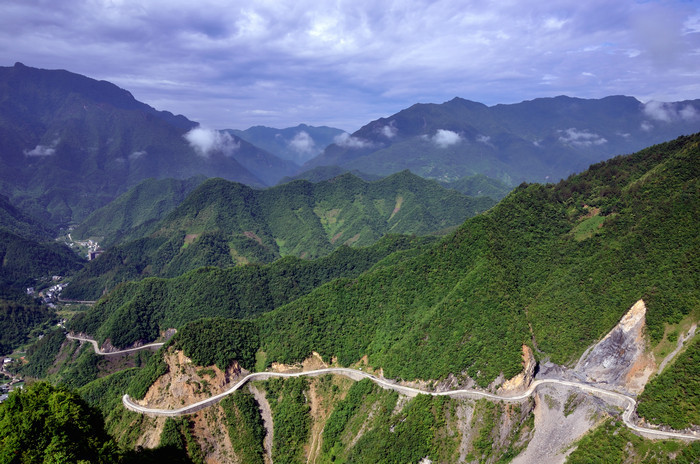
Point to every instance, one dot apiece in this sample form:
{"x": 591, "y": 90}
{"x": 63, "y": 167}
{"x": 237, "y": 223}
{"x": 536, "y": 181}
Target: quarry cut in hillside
{"x": 621, "y": 359}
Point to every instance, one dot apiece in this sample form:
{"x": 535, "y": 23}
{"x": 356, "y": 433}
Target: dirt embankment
{"x": 562, "y": 416}
{"x": 186, "y": 383}
{"x": 522, "y": 381}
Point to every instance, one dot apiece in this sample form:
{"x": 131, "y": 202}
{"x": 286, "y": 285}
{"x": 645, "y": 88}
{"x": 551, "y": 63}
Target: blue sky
{"x": 234, "y": 64}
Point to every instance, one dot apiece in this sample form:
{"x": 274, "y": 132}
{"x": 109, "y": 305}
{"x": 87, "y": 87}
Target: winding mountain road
{"x": 109, "y": 353}
{"x": 390, "y": 385}
{"x": 410, "y": 391}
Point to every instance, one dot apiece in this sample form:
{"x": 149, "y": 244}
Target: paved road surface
{"x": 409, "y": 391}
{"x": 108, "y": 353}
{"x": 390, "y": 385}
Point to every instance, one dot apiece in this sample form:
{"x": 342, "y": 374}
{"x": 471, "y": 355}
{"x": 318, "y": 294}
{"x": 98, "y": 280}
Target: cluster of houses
{"x": 93, "y": 248}
{"x": 50, "y": 295}
{"x": 6, "y": 388}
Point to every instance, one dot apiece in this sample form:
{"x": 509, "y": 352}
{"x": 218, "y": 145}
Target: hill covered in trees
{"x": 70, "y": 144}
{"x": 134, "y": 213}
{"x": 223, "y": 223}
{"x": 140, "y": 310}
{"x": 553, "y": 266}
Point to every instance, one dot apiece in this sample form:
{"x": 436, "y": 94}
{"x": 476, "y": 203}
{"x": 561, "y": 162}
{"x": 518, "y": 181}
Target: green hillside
{"x": 480, "y": 185}
{"x": 140, "y": 310}
{"x": 530, "y": 270}
{"x": 223, "y": 223}
{"x": 18, "y": 320}
{"x": 673, "y": 397}
{"x": 52, "y": 424}
{"x": 24, "y": 261}
{"x": 136, "y": 211}
{"x": 15, "y": 221}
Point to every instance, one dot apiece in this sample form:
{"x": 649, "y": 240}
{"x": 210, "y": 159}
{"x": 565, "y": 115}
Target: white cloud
{"x": 646, "y": 126}
{"x": 303, "y": 143}
{"x": 348, "y": 141}
{"x": 485, "y": 139}
{"x": 40, "y": 150}
{"x": 688, "y": 113}
{"x": 582, "y": 138}
{"x": 390, "y": 130}
{"x": 444, "y": 138}
{"x": 208, "y": 141}
{"x": 668, "y": 112}
{"x": 659, "y": 111}
{"x": 43, "y": 150}
{"x": 137, "y": 154}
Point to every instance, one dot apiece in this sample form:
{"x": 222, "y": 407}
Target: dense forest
{"x": 535, "y": 260}
{"x": 673, "y": 397}
{"x": 223, "y": 224}
{"x": 19, "y": 320}
{"x": 140, "y": 310}
{"x": 551, "y": 266}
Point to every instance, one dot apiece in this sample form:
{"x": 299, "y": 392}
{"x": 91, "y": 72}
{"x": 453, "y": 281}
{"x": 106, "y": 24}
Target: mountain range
{"x": 70, "y": 144}
{"x": 530, "y": 284}
{"x": 298, "y": 144}
{"x": 541, "y": 140}
{"x": 462, "y": 280}
{"x": 554, "y": 267}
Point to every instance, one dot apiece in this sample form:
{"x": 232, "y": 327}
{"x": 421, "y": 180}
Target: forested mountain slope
{"x": 13, "y": 220}
{"x": 138, "y": 311}
{"x": 550, "y": 266}
{"x": 136, "y": 211}
{"x": 70, "y": 144}
{"x": 224, "y": 223}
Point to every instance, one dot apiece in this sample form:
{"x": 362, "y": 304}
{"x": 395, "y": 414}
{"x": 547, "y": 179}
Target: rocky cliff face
{"x": 620, "y": 360}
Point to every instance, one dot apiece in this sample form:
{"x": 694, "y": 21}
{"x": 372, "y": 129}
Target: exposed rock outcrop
{"x": 620, "y": 360}
{"x": 522, "y": 381}
{"x": 186, "y": 383}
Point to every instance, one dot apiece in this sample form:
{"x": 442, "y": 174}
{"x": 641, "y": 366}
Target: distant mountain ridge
{"x": 541, "y": 140}
{"x": 69, "y": 144}
{"x": 298, "y": 144}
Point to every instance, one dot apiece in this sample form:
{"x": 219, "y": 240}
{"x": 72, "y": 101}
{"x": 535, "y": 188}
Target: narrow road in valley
{"x": 109, "y": 353}
{"x": 86, "y": 302}
{"x": 410, "y": 391}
